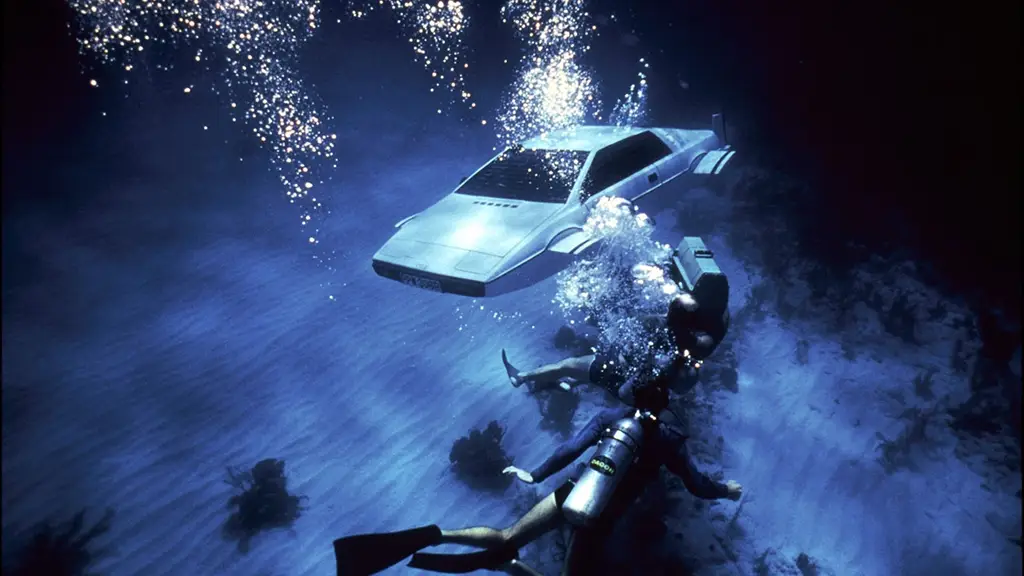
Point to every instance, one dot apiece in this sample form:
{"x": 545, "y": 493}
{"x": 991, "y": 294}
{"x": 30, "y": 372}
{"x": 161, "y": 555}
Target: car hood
{"x": 478, "y": 224}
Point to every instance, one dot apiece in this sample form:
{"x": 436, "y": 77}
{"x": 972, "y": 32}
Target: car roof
{"x": 582, "y": 138}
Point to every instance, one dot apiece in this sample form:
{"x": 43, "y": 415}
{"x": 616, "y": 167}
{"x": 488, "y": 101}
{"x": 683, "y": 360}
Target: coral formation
{"x": 900, "y": 319}
{"x": 803, "y": 352}
{"x": 557, "y": 409}
{"x": 895, "y": 453}
{"x": 479, "y": 458}
{"x": 264, "y": 502}
{"x": 773, "y": 563}
{"x": 923, "y": 385}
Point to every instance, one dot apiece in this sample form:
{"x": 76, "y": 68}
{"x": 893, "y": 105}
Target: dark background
{"x": 904, "y": 117}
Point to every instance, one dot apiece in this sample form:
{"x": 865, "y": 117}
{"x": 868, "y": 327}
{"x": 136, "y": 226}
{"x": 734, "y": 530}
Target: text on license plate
{"x": 423, "y": 283}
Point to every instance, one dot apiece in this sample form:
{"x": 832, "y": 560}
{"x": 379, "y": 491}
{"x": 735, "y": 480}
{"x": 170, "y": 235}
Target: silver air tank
{"x": 615, "y": 453}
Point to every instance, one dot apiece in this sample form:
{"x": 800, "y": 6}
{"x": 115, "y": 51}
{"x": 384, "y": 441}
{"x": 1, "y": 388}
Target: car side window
{"x": 621, "y": 160}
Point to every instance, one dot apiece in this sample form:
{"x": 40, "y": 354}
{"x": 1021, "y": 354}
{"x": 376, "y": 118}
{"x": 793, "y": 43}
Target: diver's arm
{"x": 677, "y": 460}
{"x": 681, "y": 375}
{"x": 708, "y": 336}
{"x": 625, "y": 392}
{"x": 572, "y": 450}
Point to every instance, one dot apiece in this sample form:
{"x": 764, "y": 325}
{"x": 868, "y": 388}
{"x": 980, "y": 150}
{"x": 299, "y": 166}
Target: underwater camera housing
{"x": 693, "y": 266}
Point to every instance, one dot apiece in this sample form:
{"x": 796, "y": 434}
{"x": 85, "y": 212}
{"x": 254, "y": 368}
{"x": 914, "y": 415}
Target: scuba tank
{"x": 615, "y": 453}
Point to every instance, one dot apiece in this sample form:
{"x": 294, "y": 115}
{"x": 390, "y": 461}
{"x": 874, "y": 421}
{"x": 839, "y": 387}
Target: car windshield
{"x": 528, "y": 175}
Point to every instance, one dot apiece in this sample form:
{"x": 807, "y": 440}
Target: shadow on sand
{"x": 59, "y": 549}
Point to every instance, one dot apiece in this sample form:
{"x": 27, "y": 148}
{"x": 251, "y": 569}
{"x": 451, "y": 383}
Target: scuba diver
{"x": 632, "y": 443}
{"x": 697, "y": 320}
{"x": 688, "y": 326}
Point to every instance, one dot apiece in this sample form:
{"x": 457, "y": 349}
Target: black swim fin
{"x": 492, "y": 559}
{"x": 512, "y": 371}
{"x": 367, "y": 554}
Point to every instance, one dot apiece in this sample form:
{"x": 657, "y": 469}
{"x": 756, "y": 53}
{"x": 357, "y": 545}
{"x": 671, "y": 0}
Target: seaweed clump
{"x": 895, "y": 453}
{"x": 773, "y": 563}
{"x": 264, "y": 502}
{"x": 923, "y": 385}
{"x": 899, "y": 318}
{"x": 557, "y": 409}
{"x": 60, "y": 550}
{"x": 479, "y": 459}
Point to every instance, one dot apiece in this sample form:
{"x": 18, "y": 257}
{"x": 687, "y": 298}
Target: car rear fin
{"x": 718, "y": 127}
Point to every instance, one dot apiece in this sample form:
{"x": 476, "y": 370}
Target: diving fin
{"x": 493, "y": 559}
{"x": 366, "y": 554}
{"x": 512, "y": 371}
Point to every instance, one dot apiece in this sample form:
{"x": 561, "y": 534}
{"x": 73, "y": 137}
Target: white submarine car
{"x": 513, "y": 223}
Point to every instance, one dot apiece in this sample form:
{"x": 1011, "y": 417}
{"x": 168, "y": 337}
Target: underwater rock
{"x": 809, "y": 566}
{"x": 479, "y": 458}
{"x": 773, "y": 563}
{"x": 994, "y": 404}
{"x": 1000, "y": 336}
{"x": 923, "y": 383}
{"x": 896, "y": 453}
{"x": 900, "y": 319}
{"x": 803, "y": 352}
{"x": 264, "y": 502}
{"x": 59, "y": 550}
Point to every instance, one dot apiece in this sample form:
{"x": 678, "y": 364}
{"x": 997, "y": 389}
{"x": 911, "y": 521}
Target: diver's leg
{"x": 371, "y": 553}
{"x": 548, "y": 375}
{"x": 544, "y": 516}
{"x": 500, "y": 546}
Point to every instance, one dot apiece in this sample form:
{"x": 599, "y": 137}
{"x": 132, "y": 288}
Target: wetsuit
{"x": 663, "y": 445}
{"x": 704, "y": 331}
{"x": 714, "y": 325}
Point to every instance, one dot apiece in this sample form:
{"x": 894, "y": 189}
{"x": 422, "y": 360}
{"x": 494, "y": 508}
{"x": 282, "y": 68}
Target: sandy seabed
{"x": 152, "y": 347}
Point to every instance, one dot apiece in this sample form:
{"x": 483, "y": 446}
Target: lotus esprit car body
{"x": 513, "y": 222}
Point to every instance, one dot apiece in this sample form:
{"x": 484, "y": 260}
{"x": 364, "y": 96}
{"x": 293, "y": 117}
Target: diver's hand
{"x": 735, "y": 490}
{"x": 523, "y": 475}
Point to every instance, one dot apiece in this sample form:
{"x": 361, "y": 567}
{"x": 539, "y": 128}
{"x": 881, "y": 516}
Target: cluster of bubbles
{"x": 631, "y": 109}
{"x": 622, "y": 286}
{"x": 467, "y": 315}
{"x": 436, "y": 32}
{"x": 552, "y": 90}
{"x": 253, "y": 44}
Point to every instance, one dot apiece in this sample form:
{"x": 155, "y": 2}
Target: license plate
{"x": 422, "y": 283}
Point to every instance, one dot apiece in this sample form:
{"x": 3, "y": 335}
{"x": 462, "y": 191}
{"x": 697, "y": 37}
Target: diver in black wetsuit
{"x": 633, "y": 442}
{"x": 692, "y": 328}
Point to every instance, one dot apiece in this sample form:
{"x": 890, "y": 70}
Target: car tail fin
{"x": 718, "y": 126}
